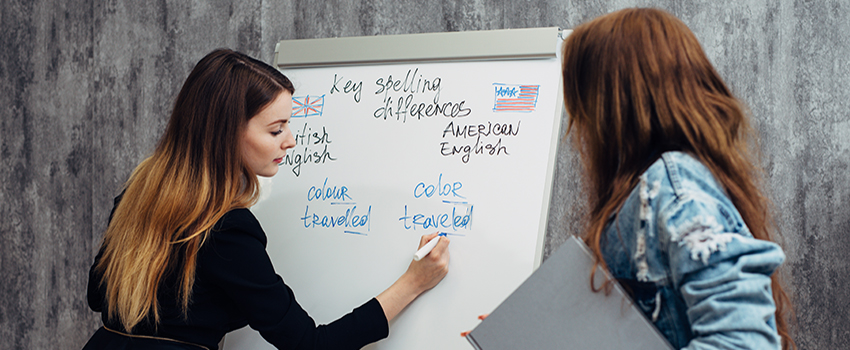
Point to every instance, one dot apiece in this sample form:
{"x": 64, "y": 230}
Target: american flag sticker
{"x": 515, "y": 97}
{"x": 307, "y": 106}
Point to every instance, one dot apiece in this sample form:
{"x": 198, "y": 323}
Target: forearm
{"x": 398, "y": 296}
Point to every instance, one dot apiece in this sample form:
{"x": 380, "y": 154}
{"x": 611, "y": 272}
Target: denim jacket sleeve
{"x": 721, "y": 272}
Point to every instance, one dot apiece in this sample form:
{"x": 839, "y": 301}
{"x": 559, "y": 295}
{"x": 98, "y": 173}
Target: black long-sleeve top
{"x": 236, "y": 285}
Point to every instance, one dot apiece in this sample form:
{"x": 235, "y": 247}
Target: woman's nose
{"x": 289, "y": 142}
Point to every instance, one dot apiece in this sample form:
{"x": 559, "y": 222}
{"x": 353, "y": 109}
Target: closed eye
{"x": 283, "y": 123}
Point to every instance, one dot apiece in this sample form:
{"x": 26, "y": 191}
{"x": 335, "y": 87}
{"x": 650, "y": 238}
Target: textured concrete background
{"x": 86, "y": 86}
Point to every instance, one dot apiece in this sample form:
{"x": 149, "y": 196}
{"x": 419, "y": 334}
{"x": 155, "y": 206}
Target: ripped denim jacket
{"x": 682, "y": 250}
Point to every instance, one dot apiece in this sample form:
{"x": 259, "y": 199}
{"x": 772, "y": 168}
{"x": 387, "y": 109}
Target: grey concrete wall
{"x": 86, "y": 85}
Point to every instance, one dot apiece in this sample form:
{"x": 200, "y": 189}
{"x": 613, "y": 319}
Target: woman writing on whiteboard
{"x": 676, "y": 210}
{"x": 183, "y": 260}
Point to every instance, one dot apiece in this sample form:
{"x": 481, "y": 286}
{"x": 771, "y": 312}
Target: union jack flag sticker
{"x": 307, "y": 106}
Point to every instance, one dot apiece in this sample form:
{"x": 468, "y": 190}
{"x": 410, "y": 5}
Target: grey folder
{"x": 556, "y": 309}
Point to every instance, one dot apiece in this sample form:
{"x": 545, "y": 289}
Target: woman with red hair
{"x": 677, "y": 213}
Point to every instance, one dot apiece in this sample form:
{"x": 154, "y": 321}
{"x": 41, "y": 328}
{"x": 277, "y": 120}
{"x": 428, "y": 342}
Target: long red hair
{"x": 637, "y": 83}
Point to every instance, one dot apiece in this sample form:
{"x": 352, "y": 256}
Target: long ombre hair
{"x": 195, "y": 176}
{"x": 637, "y": 83}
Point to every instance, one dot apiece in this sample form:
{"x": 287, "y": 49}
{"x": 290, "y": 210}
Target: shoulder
{"x": 684, "y": 174}
{"x": 678, "y": 184}
{"x": 676, "y": 180}
{"x": 697, "y": 223}
{"x": 695, "y": 197}
{"x": 237, "y": 217}
{"x": 234, "y": 253}
{"x": 238, "y": 223}
{"x": 679, "y": 201}
{"x": 676, "y": 197}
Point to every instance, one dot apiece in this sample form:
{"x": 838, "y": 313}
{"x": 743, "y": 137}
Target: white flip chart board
{"x": 401, "y": 136}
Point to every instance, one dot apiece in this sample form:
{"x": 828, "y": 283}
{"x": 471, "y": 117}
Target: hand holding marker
{"x": 422, "y": 252}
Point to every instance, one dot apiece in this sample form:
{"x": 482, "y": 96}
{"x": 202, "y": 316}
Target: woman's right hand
{"x": 431, "y": 269}
{"x": 420, "y": 276}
